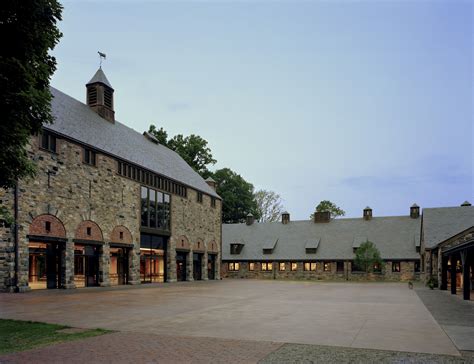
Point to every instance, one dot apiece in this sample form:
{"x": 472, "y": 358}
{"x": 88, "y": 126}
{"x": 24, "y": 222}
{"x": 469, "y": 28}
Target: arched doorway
{"x": 120, "y": 247}
{"x": 46, "y": 246}
{"x": 182, "y": 251}
{"x": 88, "y": 247}
{"x": 212, "y": 252}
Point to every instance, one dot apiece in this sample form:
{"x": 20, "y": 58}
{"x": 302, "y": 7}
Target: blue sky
{"x": 362, "y": 103}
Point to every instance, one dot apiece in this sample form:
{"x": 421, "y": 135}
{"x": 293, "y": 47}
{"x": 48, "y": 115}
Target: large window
{"x": 155, "y": 209}
{"x": 267, "y": 266}
{"x": 48, "y": 142}
{"x": 310, "y": 266}
{"x": 234, "y": 267}
{"x": 153, "y": 258}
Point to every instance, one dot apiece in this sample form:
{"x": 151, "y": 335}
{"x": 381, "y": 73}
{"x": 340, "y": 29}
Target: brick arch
{"x": 47, "y": 225}
{"x": 212, "y": 247}
{"x": 183, "y": 243}
{"x": 82, "y": 231}
{"x": 120, "y": 234}
{"x": 199, "y": 245}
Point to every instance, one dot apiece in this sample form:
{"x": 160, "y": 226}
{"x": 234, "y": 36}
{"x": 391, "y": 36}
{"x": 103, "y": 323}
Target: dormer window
{"x": 236, "y": 248}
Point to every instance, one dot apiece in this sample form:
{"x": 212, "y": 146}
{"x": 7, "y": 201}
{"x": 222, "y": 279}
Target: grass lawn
{"x": 23, "y": 335}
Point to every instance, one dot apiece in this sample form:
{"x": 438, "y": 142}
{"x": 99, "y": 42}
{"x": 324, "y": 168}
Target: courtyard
{"x": 381, "y": 316}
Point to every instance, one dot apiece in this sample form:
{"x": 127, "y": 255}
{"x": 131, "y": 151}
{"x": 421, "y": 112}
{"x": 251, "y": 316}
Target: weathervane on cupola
{"x": 102, "y": 56}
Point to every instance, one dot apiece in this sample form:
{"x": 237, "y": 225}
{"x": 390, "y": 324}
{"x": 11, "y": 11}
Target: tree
{"x": 367, "y": 255}
{"x": 269, "y": 205}
{"x": 237, "y": 196}
{"x": 29, "y": 32}
{"x": 326, "y": 205}
{"x": 193, "y": 149}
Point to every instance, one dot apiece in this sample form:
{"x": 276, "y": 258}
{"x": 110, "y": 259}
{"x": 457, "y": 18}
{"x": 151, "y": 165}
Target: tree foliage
{"x": 269, "y": 206}
{"x": 193, "y": 149}
{"x": 326, "y": 205}
{"x": 367, "y": 255}
{"x": 237, "y": 195}
{"x": 29, "y": 32}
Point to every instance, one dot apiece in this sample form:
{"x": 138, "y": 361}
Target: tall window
{"x": 310, "y": 266}
{"x": 234, "y": 266}
{"x": 251, "y": 266}
{"x": 294, "y": 266}
{"x": 267, "y": 266}
{"x": 155, "y": 208}
{"x": 417, "y": 266}
{"x": 89, "y": 157}
{"x": 340, "y": 266}
{"x": 199, "y": 197}
{"x": 48, "y": 142}
{"x": 396, "y": 267}
{"x": 213, "y": 202}
{"x": 281, "y": 266}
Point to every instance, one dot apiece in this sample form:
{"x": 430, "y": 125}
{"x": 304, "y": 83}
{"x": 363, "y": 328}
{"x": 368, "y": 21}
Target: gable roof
{"x": 393, "y": 236}
{"x": 442, "y": 223}
{"x": 77, "y": 121}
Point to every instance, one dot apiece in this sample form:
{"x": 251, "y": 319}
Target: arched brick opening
{"x": 89, "y": 230}
{"x": 120, "y": 234}
{"x": 199, "y": 246}
{"x": 47, "y": 225}
{"x": 183, "y": 243}
{"x": 212, "y": 247}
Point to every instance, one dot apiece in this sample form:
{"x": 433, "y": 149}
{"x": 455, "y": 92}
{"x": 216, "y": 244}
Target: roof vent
{"x": 249, "y": 220}
{"x": 150, "y": 137}
{"x": 100, "y": 96}
{"x": 285, "y": 217}
{"x": 367, "y": 213}
{"x": 466, "y": 203}
{"x": 415, "y": 211}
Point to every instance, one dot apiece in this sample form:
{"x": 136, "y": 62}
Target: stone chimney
{"x": 466, "y": 203}
{"x": 367, "y": 213}
{"x": 285, "y": 217}
{"x": 415, "y": 211}
{"x": 100, "y": 96}
{"x": 249, "y": 219}
{"x": 322, "y": 216}
{"x": 211, "y": 183}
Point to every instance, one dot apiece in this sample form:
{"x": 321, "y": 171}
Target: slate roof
{"x": 393, "y": 236}
{"x": 442, "y": 223}
{"x": 100, "y": 77}
{"x": 76, "y": 120}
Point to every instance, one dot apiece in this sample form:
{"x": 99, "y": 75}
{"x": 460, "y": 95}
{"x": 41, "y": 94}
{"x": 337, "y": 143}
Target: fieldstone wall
{"x": 407, "y": 272}
{"x": 82, "y": 196}
{"x": 197, "y": 223}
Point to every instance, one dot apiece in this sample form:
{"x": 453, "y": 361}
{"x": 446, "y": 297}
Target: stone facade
{"x": 71, "y": 202}
{"x": 407, "y": 271}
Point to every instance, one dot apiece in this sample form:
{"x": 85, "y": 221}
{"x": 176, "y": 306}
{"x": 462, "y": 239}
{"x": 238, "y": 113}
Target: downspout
{"x": 15, "y": 237}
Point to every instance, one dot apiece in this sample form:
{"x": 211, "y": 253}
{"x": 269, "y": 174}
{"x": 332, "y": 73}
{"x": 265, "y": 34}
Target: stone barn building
{"x": 108, "y": 206}
{"x": 323, "y": 248}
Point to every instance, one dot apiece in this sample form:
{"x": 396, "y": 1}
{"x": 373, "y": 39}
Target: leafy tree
{"x": 29, "y": 32}
{"x": 269, "y": 205}
{"x": 193, "y": 149}
{"x": 367, "y": 255}
{"x": 237, "y": 195}
{"x": 327, "y": 205}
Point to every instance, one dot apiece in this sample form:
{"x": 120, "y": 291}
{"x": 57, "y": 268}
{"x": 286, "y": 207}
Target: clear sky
{"x": 362, "y": 103}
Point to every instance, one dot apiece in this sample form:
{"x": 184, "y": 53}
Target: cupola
{"x": 367, "y": 213}
{"x": 415, "y": 211}
{"x": 100, "y": 96}
{"x": 211, "y": 183}
{"x": 285, "y": 217}
{"x": 249, "y": 219}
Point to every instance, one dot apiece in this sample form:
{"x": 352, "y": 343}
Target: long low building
{"x": 437, "y": 248}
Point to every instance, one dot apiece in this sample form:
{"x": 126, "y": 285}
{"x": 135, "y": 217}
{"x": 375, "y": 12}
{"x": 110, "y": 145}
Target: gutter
{"x": 15, "y": 233}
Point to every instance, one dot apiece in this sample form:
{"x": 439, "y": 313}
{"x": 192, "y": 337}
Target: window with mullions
{"x": 327, "y": 267}
{"x": 48, "y": 142}
{"x": 281, "y": 266}
{"x": 267, "y": 266}
{"x": 294, "y": 266}
{"x": 396, "y": 267}
{"x": 234, "y": 267}
{"x": 155, "y": 209}
{"x": 309, "y": 266}
{"x": 251, "y": 266}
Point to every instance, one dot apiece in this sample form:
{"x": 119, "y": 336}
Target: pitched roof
{"x": 393, "y": 236}
{"x": 442, "y": 223}
{"x": 100, "y": 77}
{"x": 76, "y": 120}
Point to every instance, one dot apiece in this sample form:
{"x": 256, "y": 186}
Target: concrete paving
{"x": 455, "y": 315}
{"x": 385, "y": 316}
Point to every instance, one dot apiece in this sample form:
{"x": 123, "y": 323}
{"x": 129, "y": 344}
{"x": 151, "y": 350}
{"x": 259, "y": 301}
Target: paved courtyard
{"x": 356, "y": 315}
